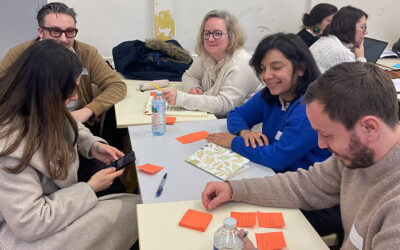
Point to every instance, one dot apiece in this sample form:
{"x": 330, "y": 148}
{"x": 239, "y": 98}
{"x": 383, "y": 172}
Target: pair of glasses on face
{"x": 56, "y": 32}
{"x": 217, "y": 34}
{"x": 362, "y": 26}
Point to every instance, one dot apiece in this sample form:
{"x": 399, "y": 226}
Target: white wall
{"x": 383, "y": 17}
{"x": 17, "y": 22}
{"x": 257, "y": 18}
{"x": 104, "y": 24}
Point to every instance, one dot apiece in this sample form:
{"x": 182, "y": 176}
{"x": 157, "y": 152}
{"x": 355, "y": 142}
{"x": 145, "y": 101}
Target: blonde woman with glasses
{"x": 221, "y": 77}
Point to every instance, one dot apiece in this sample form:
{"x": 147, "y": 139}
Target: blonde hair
{"x": 233, "y": 28}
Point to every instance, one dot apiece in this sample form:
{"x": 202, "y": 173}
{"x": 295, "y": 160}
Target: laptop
{"x": 373, "y": 49}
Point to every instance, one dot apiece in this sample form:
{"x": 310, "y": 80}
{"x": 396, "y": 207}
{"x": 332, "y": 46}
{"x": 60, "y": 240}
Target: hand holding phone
{"x": 123, "y": 161}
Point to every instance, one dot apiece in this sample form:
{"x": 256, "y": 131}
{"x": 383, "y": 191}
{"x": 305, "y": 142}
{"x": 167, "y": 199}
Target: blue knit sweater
{"x": 293, "y": 143}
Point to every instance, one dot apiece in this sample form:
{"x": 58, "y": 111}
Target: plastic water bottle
{"x": 227, "y": 236}
{"x": 158, "y": 114}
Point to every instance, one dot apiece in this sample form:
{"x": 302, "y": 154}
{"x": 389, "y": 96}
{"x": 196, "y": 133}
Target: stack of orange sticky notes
{"x": 274, "y": 220}
{"x": 269, "y": 241}
{"x": 150, "y": 168}
{"x": 195, "y": 220}
{"x": 193, "y": 137}
{"x": 245, "y": 219}
{"x": 170, "y": 120}
{"x": 248, "y": 219}
{"x": 265, "y": 241}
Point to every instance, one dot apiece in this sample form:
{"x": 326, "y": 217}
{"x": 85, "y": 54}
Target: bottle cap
{"x": 230, "y": 222}
{"x": 158, "y": 92}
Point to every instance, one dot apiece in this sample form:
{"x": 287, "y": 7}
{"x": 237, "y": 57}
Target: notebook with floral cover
{"x": 218, "y": 161}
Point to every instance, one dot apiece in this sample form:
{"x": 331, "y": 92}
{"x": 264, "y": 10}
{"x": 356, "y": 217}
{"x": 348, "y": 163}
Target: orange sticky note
{"x": 245, "y": 219}
{"x": 270, "y": 219}
{"x": 193, "y": 137}
{"x": 269, "y": 241}
{"x": 153, "y": 93}
{"x": 169, "y": 120}
{"x": 195, "y": 220}
{"x": 150, "y": 168}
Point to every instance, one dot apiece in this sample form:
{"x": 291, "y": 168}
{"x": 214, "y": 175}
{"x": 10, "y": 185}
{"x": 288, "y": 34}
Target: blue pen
{"x": 160, "y": 188}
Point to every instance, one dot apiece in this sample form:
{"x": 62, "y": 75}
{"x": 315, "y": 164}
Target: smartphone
{"x": 123, "y": 161}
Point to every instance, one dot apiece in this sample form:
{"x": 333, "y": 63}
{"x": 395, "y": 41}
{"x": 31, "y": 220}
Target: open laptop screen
{"x": 373, "y": 49}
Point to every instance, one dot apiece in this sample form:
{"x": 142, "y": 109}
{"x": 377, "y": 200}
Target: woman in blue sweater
{"x": 287, "y": 141}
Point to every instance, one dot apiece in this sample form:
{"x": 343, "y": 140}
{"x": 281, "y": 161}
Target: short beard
{"x": 361, "y": 155}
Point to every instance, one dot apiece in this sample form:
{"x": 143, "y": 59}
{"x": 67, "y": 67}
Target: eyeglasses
{"x": 362, "y": 26}
{"x": 56, "y": 32}
{"x": 217, "y": 34}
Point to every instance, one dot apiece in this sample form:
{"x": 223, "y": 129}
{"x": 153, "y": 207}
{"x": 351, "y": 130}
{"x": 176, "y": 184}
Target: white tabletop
{"x": 130, "y": 110}
{"x": 159, "y": 229}
{"x": 184, "y": 181}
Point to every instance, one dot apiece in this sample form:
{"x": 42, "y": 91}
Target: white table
{"x": 158, "y": 226}
{"x": 184, "y": 181}
{"x": 130, "y": 110}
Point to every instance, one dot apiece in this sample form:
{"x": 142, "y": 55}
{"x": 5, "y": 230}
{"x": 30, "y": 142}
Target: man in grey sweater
{"x": 354, "y": 108}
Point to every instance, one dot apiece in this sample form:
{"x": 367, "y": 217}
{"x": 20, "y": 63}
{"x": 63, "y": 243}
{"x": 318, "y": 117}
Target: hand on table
{"x": 222, "y": 139}
{"x": 82, "y": 115}
{"x": 195, "y": 91}
{"x": 216, "y": 193}
{"x": 254, "y": 138}
{"x": 169, "y": 95}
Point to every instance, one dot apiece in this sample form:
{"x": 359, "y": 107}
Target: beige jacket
{"x": 234, "y": 84}
{"x": 37, "y": 212}
{"x": 369, "y": 198}
{"x": 112, "y": 88}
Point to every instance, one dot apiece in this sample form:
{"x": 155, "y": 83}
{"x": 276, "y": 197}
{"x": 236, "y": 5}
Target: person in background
{"x": 287, "y": 141}
{"x": 58, "y": 22}
{"x": 315, "y": 22}
{"x": 221, "y": 78}
{"x": 363, "y": 173}
{"x": 42, "y": 205}
{"x": 342, "y": 39}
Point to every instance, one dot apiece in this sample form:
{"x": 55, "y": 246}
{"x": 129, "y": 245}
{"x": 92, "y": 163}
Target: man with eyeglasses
{"x": 58, "y": 22}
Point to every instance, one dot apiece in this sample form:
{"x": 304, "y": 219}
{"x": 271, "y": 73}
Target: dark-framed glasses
{"x": 217, "y": 34}
{"x": 57, "y": 32}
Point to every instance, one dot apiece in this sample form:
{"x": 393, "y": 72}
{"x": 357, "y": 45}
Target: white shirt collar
{"x": 283, "y": 107}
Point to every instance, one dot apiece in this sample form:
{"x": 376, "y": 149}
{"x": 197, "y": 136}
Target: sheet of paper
{"x": 171, "y": 110}
{"x": 274, "y": 220}
{"x": 269, "y": 241}
{"x": 150, "y": 168}
{"x": 192, "y": 137}
{"x": 248, "y": 219}
{"x": 388, "y": 54}
{"x": 195, "y": 220}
